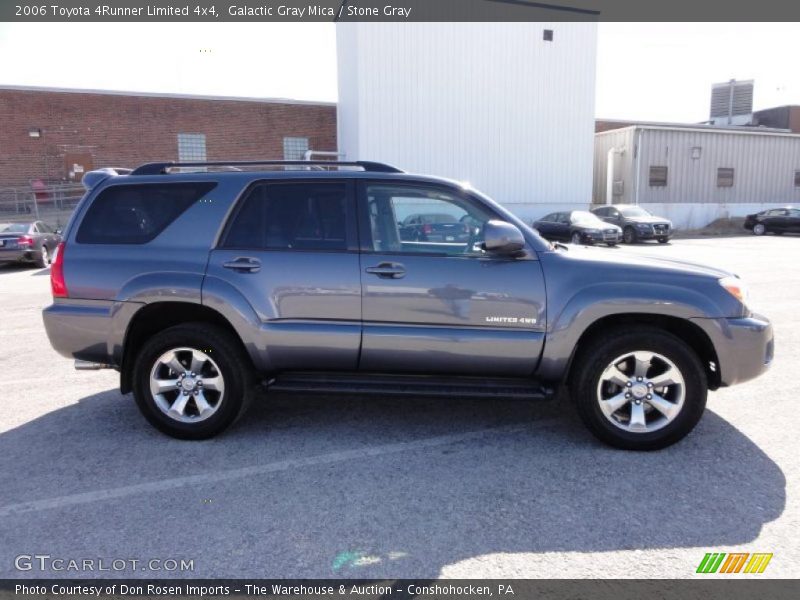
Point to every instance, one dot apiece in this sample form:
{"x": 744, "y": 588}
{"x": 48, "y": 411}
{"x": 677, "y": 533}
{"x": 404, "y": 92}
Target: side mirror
{"x": 500, "y": 237}
{"x": 58, "y": 231}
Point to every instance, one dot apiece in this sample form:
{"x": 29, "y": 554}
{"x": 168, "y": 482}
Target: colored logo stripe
{"x": 713, "y": 562}
{"x": 734, "y": 563}
{"x": 710, "y": 562}
{"x": 758, "y": 562}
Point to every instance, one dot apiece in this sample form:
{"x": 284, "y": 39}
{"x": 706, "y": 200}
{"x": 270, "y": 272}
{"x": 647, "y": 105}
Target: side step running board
{"x": 410, "y": 385}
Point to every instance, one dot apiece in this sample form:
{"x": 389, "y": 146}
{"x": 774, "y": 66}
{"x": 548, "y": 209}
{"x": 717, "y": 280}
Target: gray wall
{"x": 764, "y": 166}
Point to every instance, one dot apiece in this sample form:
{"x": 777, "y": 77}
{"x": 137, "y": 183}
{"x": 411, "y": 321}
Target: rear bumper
{"x": 745, "y": 347}
{"x": 80, "y": 331}
{"x": 15, "y": 255}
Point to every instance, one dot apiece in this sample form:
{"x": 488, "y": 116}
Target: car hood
{"x": 602, "y": 225}
{"x": 648, "y": 220}
{"x": 639, "y": 262}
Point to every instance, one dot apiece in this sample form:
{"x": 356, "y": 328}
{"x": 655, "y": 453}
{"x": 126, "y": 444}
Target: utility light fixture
{"x": 34, "y": 132}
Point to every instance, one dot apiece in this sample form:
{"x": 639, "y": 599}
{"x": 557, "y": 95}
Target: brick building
{"x": 783, "y": 117}
{"x": 55, "y": 135}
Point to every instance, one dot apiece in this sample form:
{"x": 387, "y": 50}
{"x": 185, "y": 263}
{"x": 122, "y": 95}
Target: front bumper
{"x": 602, "y": 238}
{"x": 651, "y": 234}
{"x": 745, "y": 347}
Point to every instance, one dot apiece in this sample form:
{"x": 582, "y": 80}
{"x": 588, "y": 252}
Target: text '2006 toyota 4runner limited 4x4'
{"x": 201, "y": 282}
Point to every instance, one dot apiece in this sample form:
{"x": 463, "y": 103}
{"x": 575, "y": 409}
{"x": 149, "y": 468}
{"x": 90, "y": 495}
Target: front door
{"x": 433, "y": 300}
{"x": 291, "y": 252}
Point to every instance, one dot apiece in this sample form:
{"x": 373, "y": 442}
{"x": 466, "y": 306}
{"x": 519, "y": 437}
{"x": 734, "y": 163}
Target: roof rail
{"x": 161, "y": 168}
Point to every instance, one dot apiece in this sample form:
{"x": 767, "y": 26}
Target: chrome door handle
{"x": 244, "y": 264}
{"x": 388, "y": 270}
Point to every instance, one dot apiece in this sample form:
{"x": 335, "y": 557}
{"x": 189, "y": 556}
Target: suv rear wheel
{"x": 643, "y": 389}
{"x": 192, "y": 381}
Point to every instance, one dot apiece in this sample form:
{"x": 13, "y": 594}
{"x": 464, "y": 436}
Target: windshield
{"x": 634, "y": 211}
{"x": 14, "y": 227}
{"x": 580, "y": 217}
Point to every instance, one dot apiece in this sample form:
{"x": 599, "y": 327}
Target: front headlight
{"x": 643, "y": 226}
{"x": 736, "y": 288}
{"x": 592, "y": 231}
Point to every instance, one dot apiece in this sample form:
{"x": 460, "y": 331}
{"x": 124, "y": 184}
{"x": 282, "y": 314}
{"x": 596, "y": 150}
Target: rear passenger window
{"x": 308, "y": 216}
{"x": 136, "y": 214}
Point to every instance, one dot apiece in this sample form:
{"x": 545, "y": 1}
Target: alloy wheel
{"x": 187, "y": 385}
{"x": 641, "y": 391}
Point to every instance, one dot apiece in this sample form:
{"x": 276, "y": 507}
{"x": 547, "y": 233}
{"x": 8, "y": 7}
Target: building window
{"x": 191, "y": 147}
{"x": 724, "y": 177}
{"x": 658, "y": 176}
{"x": 797, "y": 179}
{"x": 294, "y": 148}
{"x": 548, "y": 35}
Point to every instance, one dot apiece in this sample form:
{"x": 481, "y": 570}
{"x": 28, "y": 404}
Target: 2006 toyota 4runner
{"x": 200, "y": 281}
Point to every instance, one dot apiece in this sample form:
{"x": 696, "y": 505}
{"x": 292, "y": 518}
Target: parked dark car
{"x": 433, "y": 227}
{"x": 205, "y": 288}
{"x": 637, "y": 224}
{"x": 578, "y": 227}
{"x": 774, "y": 220}
{"x": 28, "y": 243}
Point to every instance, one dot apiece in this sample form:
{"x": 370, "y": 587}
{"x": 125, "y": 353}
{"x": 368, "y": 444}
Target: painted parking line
{"x": 274, "y": 467}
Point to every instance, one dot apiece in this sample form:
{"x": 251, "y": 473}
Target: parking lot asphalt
{"x": 353, "y": 487}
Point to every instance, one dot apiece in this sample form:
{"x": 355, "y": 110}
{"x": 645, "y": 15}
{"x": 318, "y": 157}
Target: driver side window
{"x": 420, "y": 220}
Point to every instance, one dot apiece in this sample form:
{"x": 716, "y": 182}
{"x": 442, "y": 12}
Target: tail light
{"x": 57, "y": 282}
{"x": 426, "y": 228}
{"x": 25, "y": 240}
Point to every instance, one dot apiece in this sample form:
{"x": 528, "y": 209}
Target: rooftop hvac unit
{"x": 730, "y": 100}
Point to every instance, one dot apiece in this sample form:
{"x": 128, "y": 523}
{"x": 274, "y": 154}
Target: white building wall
{"x": 622, "y": 141}
{"x": 488, "y": 103}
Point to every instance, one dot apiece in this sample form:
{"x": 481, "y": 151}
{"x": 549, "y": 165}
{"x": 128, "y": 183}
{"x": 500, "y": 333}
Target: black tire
{"x": 43, "y": 258}
{"x": 599, "y": 353}
{"x": 759, "y": 229}
{"x": 228, "y": 355}
{"x": 575, "y": 238}
{"x": 611, "y": 244}
{"x": 662, "y": 241}
{"x": 629, "y": 235}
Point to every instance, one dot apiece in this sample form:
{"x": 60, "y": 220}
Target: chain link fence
{"x": 52, "y": 204}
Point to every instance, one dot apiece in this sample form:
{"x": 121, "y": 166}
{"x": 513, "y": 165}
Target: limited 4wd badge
{"x": 512, "y": 320}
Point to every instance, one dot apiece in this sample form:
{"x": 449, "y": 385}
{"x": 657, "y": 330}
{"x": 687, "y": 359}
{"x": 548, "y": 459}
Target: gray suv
{"x": 202, "y": 282}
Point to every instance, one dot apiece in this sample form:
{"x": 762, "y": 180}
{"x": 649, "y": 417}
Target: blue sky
{"x": 658, "y": 71}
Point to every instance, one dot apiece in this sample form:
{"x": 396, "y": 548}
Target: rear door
{"x": 443, "y": 306}
{"x": 290, "y": 250}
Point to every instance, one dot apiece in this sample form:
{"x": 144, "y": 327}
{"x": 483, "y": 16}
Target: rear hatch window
{"x": 136, "y": 214}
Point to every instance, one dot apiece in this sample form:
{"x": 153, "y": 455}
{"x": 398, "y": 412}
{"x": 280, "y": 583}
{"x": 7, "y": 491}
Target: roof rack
{"x": 161, "y": 168}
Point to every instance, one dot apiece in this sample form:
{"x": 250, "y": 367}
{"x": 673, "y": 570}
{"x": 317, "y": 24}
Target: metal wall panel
{"x": 763, "y": 163}
{"x": 489, "y": 103}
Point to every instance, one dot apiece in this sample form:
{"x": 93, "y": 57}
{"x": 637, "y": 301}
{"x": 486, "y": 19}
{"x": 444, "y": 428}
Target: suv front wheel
{"x": 643, "y": 389}
{"x": 192, "y": 381}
